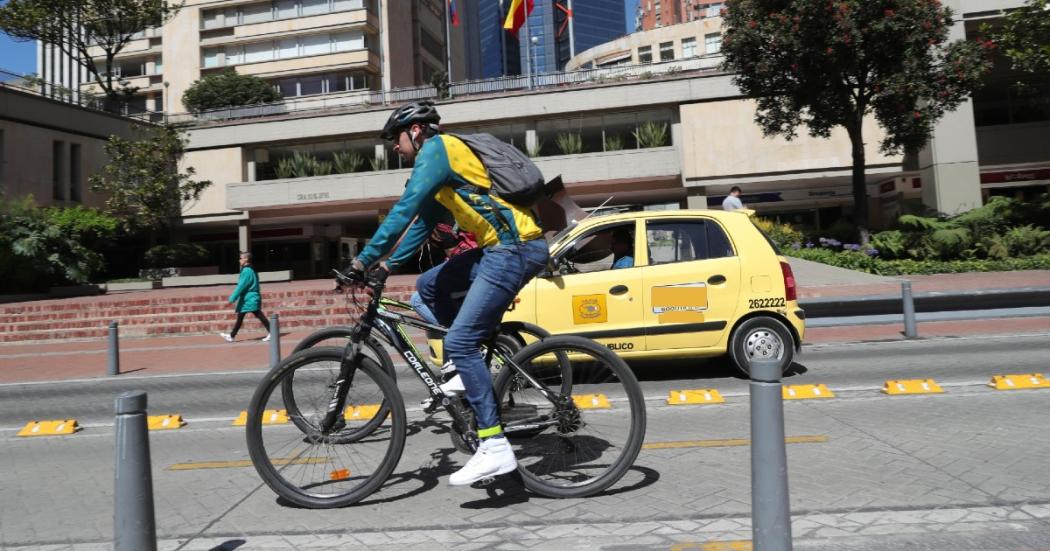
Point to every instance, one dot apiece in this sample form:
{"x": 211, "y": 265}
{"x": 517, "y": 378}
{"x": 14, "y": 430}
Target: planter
{"x": 162, "y": 273}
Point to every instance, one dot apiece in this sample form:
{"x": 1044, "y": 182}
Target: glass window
{"x": 353, "y": 40}
{"x": 288, "y": 87}
{"x": 256, "y": 13}
{"x": 287, "y": 47}
{"x": 359, "y": 81}
{"x": 714, "y": 10}
{"x": 234, "y": 55}
{"x": 314, "y": 7}
{"x": 286, "y": 9}
{"x": 311, "y": 85}
{"x": 688, "y": 48}
{"x": 232, "y": 17}
{"x": 260, "y": 51}
{"x": 211, "y": 19}
{"x": 645, "y": 54}
{"x": 341, "y": 5}
{"x": 75, "y": 173}
{"x": 316, "y": 45}
{"x": 666, "y": 51}
{"x": 158, "y": 66}
{"x": 712, "y": 43}
{"x": 673, "y": 241}
{"x": 605, "y": 248}
{"x": 338, "y": 83}
{"x": 211, "y": 58}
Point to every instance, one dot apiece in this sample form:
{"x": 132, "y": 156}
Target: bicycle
{"x": 571, "y": 408}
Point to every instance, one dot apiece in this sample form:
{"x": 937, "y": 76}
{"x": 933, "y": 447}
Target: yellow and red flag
{"x": 519, "y": 10}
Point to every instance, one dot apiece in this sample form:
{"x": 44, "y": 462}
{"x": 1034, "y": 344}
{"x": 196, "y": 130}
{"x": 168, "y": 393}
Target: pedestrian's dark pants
{"x": 240, "y": 319}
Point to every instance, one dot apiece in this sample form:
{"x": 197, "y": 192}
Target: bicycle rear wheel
{"x": 583, "y": 438}
{"x": 316, "y": 470}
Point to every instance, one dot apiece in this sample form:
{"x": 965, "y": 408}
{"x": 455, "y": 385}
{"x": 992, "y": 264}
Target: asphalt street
{"x": 964, "y": 470}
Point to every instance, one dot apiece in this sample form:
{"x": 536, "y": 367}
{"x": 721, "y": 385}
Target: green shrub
{"x": 890, "y": 244}
{"x": 783, "y": 235}
{"x": 228, "y": 89}
{"x": 569, "y": 144}
{"x": 348, "y": 161}
{"x": 177, "y": 255}
{"x": 613, "y": 143}
{"x": 1026, "y": 240}
{"x": 322, "y": 168}
{"x": 861, "y": 262}
{"x": 378, "y": 163}
{"x": 652, "y": 134}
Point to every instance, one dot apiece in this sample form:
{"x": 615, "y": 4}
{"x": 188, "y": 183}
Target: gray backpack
{"x": 515, "y": 178}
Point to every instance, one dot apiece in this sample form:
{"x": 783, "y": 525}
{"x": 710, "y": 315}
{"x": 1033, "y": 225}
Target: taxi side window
{"x": 673, "y": 241}
{"x": 606, "y": 248}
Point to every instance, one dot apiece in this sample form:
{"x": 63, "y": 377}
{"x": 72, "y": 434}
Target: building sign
{"x": 311, "y": 197}
{"x": 1015, "y": 176}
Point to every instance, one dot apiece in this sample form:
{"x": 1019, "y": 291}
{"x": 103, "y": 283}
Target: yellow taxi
{"x": 669, "y": 284}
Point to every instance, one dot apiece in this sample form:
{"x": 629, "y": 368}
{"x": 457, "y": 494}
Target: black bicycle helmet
{"x": 417, "y": 112}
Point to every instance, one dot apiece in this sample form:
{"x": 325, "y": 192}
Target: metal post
{"x": 910, "y": 330}
{"x": 113, "y": 353}
{"x": 528, "y": 45}
{"x": 134, "y": 527}
{"x": 275, "y": 339}
{"x": 770, "y": 508}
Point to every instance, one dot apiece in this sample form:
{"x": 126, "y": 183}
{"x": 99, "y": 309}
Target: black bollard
{"x": 134, "y": 527}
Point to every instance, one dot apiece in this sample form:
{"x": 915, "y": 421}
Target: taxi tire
{"x": 737, "y": 343}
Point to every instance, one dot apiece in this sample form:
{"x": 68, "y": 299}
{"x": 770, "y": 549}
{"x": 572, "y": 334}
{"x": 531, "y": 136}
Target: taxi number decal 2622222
{"x": 765, "y": 303}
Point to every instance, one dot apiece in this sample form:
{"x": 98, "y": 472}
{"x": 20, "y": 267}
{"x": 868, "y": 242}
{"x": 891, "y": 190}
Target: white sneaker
{"x": 454, "y": 386}
{"x": 494, "y": 457}
{"x": 266, "y": 338}
{"x": 226, "y": 336}
{"x": 449, "y": 367}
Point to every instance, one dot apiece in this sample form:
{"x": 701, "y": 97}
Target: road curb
{"x": 926, "y": 302}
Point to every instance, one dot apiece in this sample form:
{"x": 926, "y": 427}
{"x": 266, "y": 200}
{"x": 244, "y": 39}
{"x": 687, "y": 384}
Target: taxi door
{"x": 597, "y": 301}
{"x": 692, "y": 283}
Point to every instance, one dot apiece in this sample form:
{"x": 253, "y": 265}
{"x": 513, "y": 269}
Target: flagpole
{"x": 448, "y": 46}
{"x": 572, "y": 32}
{"x": 528, "y": 43}
{"x": 502, "y": 43}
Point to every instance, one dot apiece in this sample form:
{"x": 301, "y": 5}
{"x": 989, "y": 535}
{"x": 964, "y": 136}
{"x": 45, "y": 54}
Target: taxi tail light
{"x": 790, "y": 289}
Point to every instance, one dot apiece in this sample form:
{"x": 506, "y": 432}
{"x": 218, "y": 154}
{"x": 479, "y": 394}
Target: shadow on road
{"x": 696, "y": 369}
{"x": 509, "y": 490}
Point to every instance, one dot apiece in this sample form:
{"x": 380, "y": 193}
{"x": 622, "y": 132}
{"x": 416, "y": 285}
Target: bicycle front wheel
{"x": 307, "y": 466}
{"x": 574, "y": 413}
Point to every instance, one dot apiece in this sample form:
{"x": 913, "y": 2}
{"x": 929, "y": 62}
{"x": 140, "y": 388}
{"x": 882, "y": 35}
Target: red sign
{"x": 1015, "y": 176}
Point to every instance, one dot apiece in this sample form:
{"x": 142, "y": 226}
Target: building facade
{"x": 553, "y": 37}
{"x": 653, "y": 14}
{"x": 684, "y": 41}
{"x": 304, "y": 48}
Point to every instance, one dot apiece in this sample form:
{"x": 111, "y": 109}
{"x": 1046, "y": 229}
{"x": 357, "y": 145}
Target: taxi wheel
{"x": 761, "y": 337}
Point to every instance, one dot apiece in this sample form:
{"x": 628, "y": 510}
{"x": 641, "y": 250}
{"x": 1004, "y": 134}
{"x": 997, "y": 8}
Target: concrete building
{"x": 666, "y": 134}
{"x": 49, "y": 148}
{"x": 653, "y": 14}
{"x": 553, "y": 37}
{"x": 306, "y": 48}
{"x": 698, "y": 38}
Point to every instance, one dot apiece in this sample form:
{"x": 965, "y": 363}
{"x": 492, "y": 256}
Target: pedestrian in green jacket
{"x": 248, "y": 299}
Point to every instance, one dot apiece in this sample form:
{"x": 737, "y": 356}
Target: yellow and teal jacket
{"x": 442, "y": 189}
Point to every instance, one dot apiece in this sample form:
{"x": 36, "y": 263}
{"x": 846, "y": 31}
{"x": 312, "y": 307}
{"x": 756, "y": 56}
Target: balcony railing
{"x": 75, "y": 97}
{"x": 363, "y": 100}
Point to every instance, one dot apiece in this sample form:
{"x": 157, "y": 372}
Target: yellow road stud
{"x": 807, "y": 392}
{"x": 361, "y": 413}
{"x": 270, "y": 417}
{"x": 695, "y": 396}
{"x": 165, "y": 422}
{"x": 591, "y": 401}
{"x": 912, "y": 386}
{"x": 1017, "y": 382}
{"x": 49, "y": 428}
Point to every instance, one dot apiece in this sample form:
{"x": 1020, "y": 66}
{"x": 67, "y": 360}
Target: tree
{"x": 228, "y": 89}
{"x": 829, "y": 63}
{"x": 41, "y": 247}
{"x": 142, "y": 180}
{"x": 1025, "y": 37}
{"x": 76, "y": 26}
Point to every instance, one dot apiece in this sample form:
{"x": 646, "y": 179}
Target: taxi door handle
{"x": 717, "y": 279}
{"x": 618, "y": 290}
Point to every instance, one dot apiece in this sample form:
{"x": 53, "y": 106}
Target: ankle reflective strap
{"x": 491, "y": 431}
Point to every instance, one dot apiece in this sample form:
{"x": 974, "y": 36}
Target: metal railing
{"x": 360, "y": 100}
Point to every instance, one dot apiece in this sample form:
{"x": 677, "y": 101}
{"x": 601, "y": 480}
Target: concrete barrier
{"x": 223, "y": 279}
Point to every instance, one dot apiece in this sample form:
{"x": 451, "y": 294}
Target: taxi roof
{"x": 635, "y": 215}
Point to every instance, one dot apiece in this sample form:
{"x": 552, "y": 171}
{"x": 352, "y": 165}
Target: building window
{"x": 57, "y": 176}
{"x": 311, "y": 85}
{"x": 211, "y": 19}
{"x": 342, "y": 5}
{"x": 688, "y": 48}
{"x": 317, "y": 44}
{"x": 286, "y": 48}
{"x": 75, "y": 183}
{"x": 432, "y": 45}
{"x": 645, "y": 54}
{"x": 211, "y": 59}
{"x": 256, "y": 13}
{"x": 270, "y": 11}
{"x": 666, "y": 51}
{"x": 261, "y": 51}
{"x": 314, "y": 7}
{"x": 353, "y": 40}
{"x": 287, "y": 9}
{"x": 714, "y": 10}
{"x": 712, "y": 43}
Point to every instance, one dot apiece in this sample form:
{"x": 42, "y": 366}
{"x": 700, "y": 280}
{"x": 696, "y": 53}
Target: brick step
{"x": 161, "y": 300}
{"x": 251, "y": 327}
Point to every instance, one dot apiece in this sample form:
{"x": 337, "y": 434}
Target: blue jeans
{"x": 421, "y": 307}
{"x": 491, "y": 278}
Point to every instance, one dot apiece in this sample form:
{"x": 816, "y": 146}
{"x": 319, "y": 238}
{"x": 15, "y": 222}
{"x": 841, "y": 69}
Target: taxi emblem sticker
{"x": 589, "y": 309}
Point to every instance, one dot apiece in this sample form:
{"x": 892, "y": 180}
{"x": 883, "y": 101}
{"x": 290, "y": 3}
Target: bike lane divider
{"x": 1019, "y": 382}
{"x": 58, "y": 427}
{"x": 695, "y": 396}
{"x": 912, "y": 386}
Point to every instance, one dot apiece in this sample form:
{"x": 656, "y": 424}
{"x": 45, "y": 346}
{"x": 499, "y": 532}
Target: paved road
{"x": 962, "y": 470}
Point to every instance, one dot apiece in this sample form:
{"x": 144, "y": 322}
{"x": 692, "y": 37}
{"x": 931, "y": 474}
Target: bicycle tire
{"x": 369, "y": 384}
{"x": 343, "y": 333}
{"x": 372, "y": 347}
{"x": 580, "y": 376}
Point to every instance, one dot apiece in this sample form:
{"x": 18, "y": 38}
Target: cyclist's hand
{"x": 354, "y": 275}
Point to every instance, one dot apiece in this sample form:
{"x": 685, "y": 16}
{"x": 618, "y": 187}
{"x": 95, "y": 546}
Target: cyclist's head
{"x": 409, "y": 126}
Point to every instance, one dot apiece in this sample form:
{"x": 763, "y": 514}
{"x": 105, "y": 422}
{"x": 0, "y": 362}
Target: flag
{"x": 519, "y": 10}
{"x": 452, "y": 14}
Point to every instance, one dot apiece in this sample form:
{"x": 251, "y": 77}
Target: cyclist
{"x": 448, "y": 182}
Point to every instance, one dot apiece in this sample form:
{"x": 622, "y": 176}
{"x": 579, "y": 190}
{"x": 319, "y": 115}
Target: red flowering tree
{"x": 828, "y": 63}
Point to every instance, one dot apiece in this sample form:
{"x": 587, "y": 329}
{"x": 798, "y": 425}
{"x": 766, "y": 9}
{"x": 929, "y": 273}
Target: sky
{"x": 20, "y": 57}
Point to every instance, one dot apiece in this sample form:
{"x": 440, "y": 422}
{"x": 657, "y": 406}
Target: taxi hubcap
{"x": 764, "y": 344}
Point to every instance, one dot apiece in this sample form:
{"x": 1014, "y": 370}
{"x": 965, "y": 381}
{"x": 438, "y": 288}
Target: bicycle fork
{"x": 347, "y": 368}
